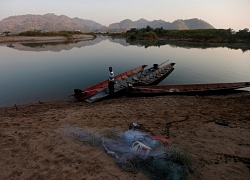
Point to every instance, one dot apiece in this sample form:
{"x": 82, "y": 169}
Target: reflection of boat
{"x": 92, "y": 90}
{"x": 189, "y": 89}
{"x": 149, "y": 76}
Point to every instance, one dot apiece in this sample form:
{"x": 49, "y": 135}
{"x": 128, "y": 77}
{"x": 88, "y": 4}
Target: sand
{"x": 34, "y": 144}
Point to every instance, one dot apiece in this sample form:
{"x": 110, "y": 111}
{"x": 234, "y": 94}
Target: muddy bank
{"x": 213, "y": 130}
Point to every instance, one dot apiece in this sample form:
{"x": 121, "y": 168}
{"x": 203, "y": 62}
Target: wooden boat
{"x": 154, "y": 75}
{"x": 189, "y": 89}
{"x": 92, "y": 90}
{"x": 149, "y": 76}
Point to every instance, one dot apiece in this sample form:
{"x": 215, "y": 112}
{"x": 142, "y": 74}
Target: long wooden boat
{"x": 150, "y": 76}
{"x": 154, "y": 75}
{"x": 92, "y": 90}
{"x": 188, "y": 89}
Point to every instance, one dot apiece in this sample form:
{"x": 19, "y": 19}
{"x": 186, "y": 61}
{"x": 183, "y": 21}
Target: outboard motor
{"x": 155, "y": 66}
{"x": 78, "y": 91}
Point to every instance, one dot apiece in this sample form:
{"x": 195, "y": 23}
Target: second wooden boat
{"x": 189, "y": 89}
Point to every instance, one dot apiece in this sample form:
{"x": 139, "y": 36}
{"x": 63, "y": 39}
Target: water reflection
{"x": 26, "y": 76}
{"x": 188, "y": 45}
{"x": 68, "y": 45}
{"x": 53, "y": 46}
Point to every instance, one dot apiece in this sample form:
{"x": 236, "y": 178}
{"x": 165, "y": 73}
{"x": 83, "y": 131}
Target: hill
{"x": 47, "y": 22}
{"x": 178, "y": 24}
{"x": 52, "y": 22}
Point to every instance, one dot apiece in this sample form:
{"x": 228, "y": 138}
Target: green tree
{"x": 150, "y": 34}
{"x": 148, "y": 29}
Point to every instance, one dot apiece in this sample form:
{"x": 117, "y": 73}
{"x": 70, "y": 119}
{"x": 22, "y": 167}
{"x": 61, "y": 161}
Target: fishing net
{"x": 157, "y": 162}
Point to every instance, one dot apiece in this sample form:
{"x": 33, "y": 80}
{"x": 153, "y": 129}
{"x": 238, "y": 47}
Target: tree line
{"x": 41, "y": 33}
{"x": 213, "y": 35}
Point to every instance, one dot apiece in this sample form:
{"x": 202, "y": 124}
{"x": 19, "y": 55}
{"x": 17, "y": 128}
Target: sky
{"x": 224, "y": 14}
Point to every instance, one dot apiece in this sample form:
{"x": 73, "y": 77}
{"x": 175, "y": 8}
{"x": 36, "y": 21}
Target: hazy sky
{"x": 224, "y": 14}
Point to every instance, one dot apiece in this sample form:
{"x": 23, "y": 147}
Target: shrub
{"x": 150, "y": 34}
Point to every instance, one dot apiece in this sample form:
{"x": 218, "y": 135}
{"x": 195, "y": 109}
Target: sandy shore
{"x": 11, "y": 39}
{"x": 34, "y": 144}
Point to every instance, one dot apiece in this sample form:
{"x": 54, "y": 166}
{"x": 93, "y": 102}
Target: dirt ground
{"x": 214, "y": 131}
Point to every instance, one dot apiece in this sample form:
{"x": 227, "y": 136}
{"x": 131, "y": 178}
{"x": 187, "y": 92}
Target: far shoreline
{"x": 14, "y": 39}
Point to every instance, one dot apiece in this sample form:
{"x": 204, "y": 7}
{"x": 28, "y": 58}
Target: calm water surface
{"x": 41, "y": 72}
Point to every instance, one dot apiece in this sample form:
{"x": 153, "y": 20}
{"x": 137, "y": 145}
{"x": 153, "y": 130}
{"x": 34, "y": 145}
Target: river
{"x": 33, "y": 72}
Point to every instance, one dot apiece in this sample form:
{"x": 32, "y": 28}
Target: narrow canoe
{"x": 189, "y": 89}
{"x": 92, "y": 90}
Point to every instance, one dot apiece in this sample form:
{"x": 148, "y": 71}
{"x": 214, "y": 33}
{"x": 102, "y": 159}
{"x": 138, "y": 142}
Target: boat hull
{"x": 149, "y": 76}
{"x": 99, "y": 87}
{"x": 188, "y": 89}
{"x": 158, "y": 78}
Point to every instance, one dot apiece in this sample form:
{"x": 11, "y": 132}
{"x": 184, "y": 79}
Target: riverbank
{"x": 34, "y": 144}
{"x": 12, "y": 39}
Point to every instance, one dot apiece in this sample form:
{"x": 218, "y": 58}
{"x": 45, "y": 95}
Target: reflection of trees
{"x": 55, "y": 46}
{"x": 144, "y": 43}
{"x": 184, "y": 44}
{"x": 34, "y": 45}
{"x": 67, "y": 45}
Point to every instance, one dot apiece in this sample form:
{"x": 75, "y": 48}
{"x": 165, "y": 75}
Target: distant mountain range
{"x": 178, "y": 24}
{"x": 52, "y": 22}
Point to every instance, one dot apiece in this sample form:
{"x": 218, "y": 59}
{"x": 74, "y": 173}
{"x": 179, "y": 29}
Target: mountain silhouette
{"x": 52, "y": 22}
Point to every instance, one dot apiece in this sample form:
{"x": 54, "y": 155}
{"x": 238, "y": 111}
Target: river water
{"x": 32, "y": 72}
